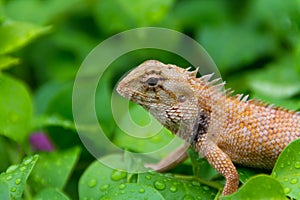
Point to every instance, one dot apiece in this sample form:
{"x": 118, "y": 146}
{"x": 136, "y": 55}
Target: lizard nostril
{"x": 152, "y": 81}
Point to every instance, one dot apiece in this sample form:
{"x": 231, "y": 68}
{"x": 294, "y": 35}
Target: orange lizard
{"x": 224, "y": 129}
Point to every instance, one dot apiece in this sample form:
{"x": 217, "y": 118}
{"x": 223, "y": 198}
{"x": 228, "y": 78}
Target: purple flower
{"x": 40, "y": 142}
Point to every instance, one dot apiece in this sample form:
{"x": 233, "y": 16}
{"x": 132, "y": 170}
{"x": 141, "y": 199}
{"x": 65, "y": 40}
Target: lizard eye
{"x": 181, "y": 98}
{"x": 152, "y": 81}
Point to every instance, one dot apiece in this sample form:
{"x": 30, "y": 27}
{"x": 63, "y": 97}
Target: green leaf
{"x": 45, "y": 94}
{"x": 287, "y": 169}
{"x": 7, "y": 61}
{"x": 50, "y": 194}
{"x": 246, "y": 173}
{"x": 98, "y": 179}
{"x": 54, "y": 169}
{"x": 4, "y": 191}
{"x": 14, "y": 35}
{"x": 130, "y": 14}
{"x": 131, "y": 191}
{"x": 277, "y": 80}
{"x": 259, "y": 187}
{"x": 176, "y": 188}
{"x": 16, "y": 109}
{"x": 280, "y": 17}
{"x": 41, "y": 11}
{"x": 16, "y": 176}
{"x": 146, "y": 139}
{"x": 201, "y": 168}
{"x": 232, "y": 46}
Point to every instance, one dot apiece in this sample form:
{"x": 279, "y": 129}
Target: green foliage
{"x": 102, "y": 182}
{"x": 16, "y": 109}
{"x": 54, "y": 169}
{"x": 15, "y": 177}
{"x": 287, "y": 170}
{"x": 50, "y": 194}
{"x": 256, "y": 45}
{"x": 259, "y": 187}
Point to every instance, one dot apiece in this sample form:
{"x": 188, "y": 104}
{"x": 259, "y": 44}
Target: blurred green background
{"x": 255, "y": 44}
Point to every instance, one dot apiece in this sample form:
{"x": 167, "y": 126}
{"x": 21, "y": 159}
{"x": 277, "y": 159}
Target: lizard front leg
{"x": 172, "y": 160}
{"x": 223, "y": 164}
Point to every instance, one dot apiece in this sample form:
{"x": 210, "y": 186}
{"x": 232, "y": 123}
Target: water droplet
{"x": 173, "y": 188}
{"x": 22, "y": 169}
{"x": 27, "y": 161}
{"x": 286, "y": 180}
{"x": 118, "y": 175}
{"x": 294, "y": 181}
{"x": 175, "y": 183}
{"x": 205, "y": 188}
{"x": 92, "y": 183}
{"x": 148, "y": 177}
{"x": 142, "y": 190}
{"x": 18, "y": 181}
{"x": 104, "y": 187}
{"x": 159, "y": 185}
{"x": 282, "y": 165}
{"x": 188, "y": 197}
{"x": 287, "y": 190}
{"x": 13, "y": 189}
{"x": 275, "y": 174}
{"x": 196, "y": 183}
{"x": 11, "y": 168}
{"x": 153, "y": 172}
{"x": 288, "y": 162}
{"x": 297, "y": 165}
{"x": 122, "y": 186}
{"x": 9, "y": 177}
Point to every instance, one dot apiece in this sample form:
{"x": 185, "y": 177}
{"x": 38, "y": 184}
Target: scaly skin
{"x": 224, "y": 129}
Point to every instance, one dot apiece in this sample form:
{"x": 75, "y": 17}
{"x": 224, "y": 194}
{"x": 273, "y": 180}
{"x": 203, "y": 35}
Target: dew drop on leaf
{"x": 18, "y": 181}
{"x": 159, "y": 185}
{"x": 92, "y": 183}
{"x": 9, "y": 177}
{"x": 287, "y": 190}
{"x": 122, "y": 186}
{"x": 297, "y": 165}
{"x": 173, "y": 188}
{"x": 11, "y": 168}
{"x": 142, "y": 190}
{"x": 196, "y": 183}
{"x": 148, "y": 177}
{"x": 205, "y": 188}
{"x": 294, "y": 181}
{"x": 22, "y": 169}
{"x": 104, "y": 187}
{"x": 27, "y": 161}
{"x": 13, "y": 189}
{"x": 118, "y": 175}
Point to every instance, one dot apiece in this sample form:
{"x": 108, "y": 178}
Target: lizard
{"x": 225, "y": 129}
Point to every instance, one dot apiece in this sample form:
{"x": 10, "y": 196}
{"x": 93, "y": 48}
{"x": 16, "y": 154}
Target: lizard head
{"x": 164, "y": 90}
